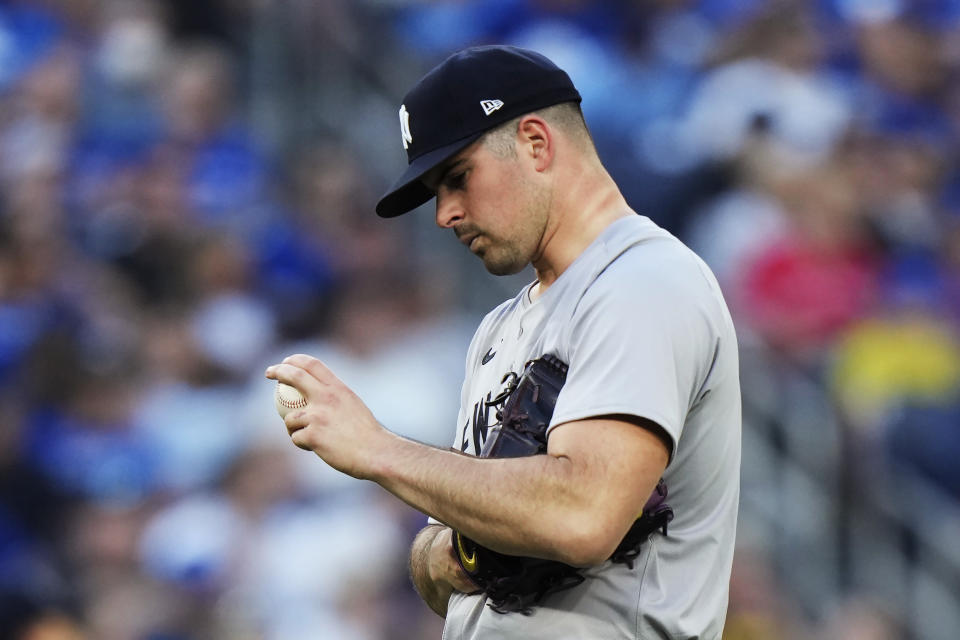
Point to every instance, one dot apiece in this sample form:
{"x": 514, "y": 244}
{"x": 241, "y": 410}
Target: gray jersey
{"x": 644, "y": 328}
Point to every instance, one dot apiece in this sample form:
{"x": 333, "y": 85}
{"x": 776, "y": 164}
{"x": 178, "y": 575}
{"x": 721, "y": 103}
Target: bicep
{"x": 618, "y": 461}
{"x": 638, "y": 345}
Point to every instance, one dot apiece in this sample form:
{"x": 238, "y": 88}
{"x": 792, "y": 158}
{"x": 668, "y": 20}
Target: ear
{"x": 536, "y": 141}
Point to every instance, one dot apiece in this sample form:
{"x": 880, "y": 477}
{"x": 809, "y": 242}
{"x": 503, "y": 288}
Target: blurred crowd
{"x": 179, "y": 208}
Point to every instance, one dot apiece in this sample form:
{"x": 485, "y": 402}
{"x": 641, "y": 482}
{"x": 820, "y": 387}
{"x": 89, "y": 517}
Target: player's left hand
{"x": 335, "y": 424}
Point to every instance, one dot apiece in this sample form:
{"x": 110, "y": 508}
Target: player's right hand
{"x": 444, "y": 567}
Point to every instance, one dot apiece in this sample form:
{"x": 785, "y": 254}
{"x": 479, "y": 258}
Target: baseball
{"x": 287, "y": 398}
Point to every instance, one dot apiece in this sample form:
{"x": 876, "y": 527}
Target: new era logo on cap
{"x": 489, "y": 106}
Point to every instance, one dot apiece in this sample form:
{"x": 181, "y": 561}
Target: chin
{"x": 503, "y": 268}
{"x": 503, "y": 260}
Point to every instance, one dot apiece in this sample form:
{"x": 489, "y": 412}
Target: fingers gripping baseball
{"x": 315, "y": 368}
{"x": 333, "y": 423}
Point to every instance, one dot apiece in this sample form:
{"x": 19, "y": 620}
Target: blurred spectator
{"x": 327, "y": 237}
{"x": 896, "y": 375}
{"x": 907, "y": 354}
{"x": 80, "y": 434}
{"x": 35, "y": 139}
{"x": 226, "y": 175}
{"x": 190, "y": 427}
{"x": 122, "y": 114}
{"x": 903, "y": 75}
{"x": 768, "y": 74}
{"x": 29, "y": 31}
{"x": 816, "y": 279}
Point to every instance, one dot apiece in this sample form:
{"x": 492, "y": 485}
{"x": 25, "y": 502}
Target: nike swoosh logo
{"x": 488, "y": 356}
{"x": 469, "y": 561}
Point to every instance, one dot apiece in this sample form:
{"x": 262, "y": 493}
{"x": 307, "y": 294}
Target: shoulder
{"x": 652, "y": 284}
{"x": 660, "y": 263}
{"x": 656, "y": 270}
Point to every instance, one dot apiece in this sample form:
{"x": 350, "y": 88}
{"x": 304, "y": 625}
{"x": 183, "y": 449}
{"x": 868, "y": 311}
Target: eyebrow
{"x": 443, "y": 175}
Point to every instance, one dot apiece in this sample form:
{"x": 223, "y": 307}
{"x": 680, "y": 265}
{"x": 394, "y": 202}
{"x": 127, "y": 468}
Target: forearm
{"x": 531, "y": 506}
{"x": 522, "y": 506}
{"x": 573, "y": 504}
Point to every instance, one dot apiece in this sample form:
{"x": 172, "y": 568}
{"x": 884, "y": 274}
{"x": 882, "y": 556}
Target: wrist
{"x": 383, "y": 457}
{"x": 436, "y": 552}
{"x": 434, "y": 590}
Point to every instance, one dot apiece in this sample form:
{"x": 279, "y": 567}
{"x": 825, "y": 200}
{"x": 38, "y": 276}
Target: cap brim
{"x": 409, "y": 192}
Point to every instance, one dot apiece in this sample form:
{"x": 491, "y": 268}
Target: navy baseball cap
{"x": 458, "y": 101}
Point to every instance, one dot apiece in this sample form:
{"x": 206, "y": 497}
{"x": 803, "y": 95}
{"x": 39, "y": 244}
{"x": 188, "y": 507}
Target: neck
{"x": 586, "y": 202}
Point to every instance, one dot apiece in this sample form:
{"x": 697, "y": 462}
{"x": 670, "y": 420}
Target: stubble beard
{"x": 510, "y": 255}
{"x": 506, "y": 264}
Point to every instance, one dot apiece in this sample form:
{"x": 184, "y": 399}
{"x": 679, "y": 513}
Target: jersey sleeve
{"x": 641, "y": 341}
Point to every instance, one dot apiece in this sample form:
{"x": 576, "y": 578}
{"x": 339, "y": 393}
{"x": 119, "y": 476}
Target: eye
{"x": 456, "y": 180}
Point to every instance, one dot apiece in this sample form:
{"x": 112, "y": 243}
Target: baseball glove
{"x": 524, "y": 409}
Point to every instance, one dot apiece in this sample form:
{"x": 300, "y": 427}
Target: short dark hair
{"x": 566, "y": 116}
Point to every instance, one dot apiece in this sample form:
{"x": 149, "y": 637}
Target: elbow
{"x": 588, "y": 545}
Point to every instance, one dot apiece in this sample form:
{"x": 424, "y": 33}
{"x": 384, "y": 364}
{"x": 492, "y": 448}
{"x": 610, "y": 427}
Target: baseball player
{"x": 646, "y": 393}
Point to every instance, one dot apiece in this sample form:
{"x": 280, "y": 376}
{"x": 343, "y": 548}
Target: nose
{"x": 449, "y": 210}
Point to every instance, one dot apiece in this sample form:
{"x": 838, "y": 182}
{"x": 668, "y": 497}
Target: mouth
{"x": 468, "y": 239}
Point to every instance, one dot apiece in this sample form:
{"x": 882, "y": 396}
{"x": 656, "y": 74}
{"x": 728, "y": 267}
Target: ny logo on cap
{"x": 405, "y": 126}
{"x": 489, "y": 106}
